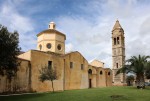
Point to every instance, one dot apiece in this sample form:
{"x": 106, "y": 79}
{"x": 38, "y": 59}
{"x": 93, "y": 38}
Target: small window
{"x": 54, "y": 26}
{"x": 101, "y": 72}
{"x": 82, "y": 66}
{"x": 90, "y": 71}
{"x": 108, "y": 73}
{"x": 114, "y": 41}
{"x": 49, "y": 64}
{"x": 117, "y": 40}
{"x": 71, "y": 64}
{"x": 59, "y": 47}
{"x": 40, "y": 46}
{"x": 116, "y": 65}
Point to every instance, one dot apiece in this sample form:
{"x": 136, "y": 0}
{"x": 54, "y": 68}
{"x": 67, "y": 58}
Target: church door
{"x": 90, "y": 83}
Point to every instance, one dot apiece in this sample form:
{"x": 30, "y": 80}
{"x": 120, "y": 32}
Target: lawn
{"x": 95, "y": 94}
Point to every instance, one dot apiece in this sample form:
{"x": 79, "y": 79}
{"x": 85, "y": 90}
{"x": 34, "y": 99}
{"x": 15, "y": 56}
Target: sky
{"x": 86, "y": 23}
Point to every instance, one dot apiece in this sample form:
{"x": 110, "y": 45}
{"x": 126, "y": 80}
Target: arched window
{"x": 117, "y": 40}
{"x": 108, "y": 73}
{"x": 40, "y": 46}
{"x": 90, "y": 71}
{"x": 101, "y": 72}
{"x": 114, "y": 41}
{"x": 116, "y": 65}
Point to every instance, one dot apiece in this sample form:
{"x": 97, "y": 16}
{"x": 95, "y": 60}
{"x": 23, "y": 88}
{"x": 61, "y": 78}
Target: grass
{"x": 95, "y": 94}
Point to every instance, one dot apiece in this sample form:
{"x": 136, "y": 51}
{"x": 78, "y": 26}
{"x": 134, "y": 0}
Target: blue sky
{"x": 86, "y": 23}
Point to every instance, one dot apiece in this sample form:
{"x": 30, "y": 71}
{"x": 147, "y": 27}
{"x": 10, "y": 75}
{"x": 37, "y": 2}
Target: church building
{"x": 73, "y": 70}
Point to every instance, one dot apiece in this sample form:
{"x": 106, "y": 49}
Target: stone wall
{"x": 18, "y": 83}
{"x": 101, "y": 77}
{"x": 39, "y": 60}
{"x": 72, "y": 71}
{"x": 108, "y": 77}
{"x": 75, "y": 76}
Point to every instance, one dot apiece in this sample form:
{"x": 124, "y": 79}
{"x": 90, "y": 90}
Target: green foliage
{"x": 48, "y": 74}
{"x": 138, "y": 66}
{"x": 9, "y": 49}
{"x": 147, "y": 72}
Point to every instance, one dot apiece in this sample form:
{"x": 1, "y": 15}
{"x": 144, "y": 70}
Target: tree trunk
{"x": 52, "y": 86}
{"x": 140, "y": 82}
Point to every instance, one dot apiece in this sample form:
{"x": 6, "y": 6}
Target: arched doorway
{"x": 90, "y": 80}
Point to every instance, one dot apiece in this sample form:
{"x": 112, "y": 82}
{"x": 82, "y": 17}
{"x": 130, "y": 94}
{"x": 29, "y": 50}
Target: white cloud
{"x": 14, "y": 21}
{"x": 93, "y": 40}
{"x": 68, "y": 47}
{"x": 90, "y": 31}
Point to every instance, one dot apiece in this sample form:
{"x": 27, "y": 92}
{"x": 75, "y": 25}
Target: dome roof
{"x": 50, "y": 31}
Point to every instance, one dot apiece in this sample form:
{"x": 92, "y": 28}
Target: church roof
{"x": 49, "y": 31}
{"x": 117, "y": 25}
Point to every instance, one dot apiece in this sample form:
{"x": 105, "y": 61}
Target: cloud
{"x": 93, "y": 41}
{"x": 93, "y": 38}
{"x": 69, "y": 47}
{"x": 14, "y": 21}
{"x": 87, "y": 25}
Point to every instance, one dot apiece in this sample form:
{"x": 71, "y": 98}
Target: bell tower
{"x": 118, "y": 53}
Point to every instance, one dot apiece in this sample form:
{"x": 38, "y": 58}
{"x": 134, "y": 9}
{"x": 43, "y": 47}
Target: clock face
{"x": 49, "y": 45}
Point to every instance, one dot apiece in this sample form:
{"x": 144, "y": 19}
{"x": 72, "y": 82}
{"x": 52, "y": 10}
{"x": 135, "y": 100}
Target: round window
{"x": 40, "y": 46}
{"x": 49, "y": 46}
{"x": 59, "y": 47}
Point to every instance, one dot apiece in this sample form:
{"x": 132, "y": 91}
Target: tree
{"x": 48, "y": 74}
{"x": 138, "y": 66}
{"x": 9, "y": 49}
{"x": 147, "y": 73}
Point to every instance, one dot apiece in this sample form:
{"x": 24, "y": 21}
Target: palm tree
{"x": 147, "y": 73}
{"x": 138, "y": 66}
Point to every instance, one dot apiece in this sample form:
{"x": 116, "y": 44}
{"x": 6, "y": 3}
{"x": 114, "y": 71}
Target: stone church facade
{"x": 73, "y": 70}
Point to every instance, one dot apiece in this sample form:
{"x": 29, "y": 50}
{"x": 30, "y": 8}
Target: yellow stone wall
{"x": 97, "y": 63}
{"x": 38, "y": 61}
{"x": 68, "y": 78}
{"x": 108, "y": 77}
{"x": 93, "y": 77}
{"x": 26, "y": 55}
{"x": 20, "y": 82}
{"x": 44, "y": 39}
{"x": 101, "y": 78}
{"x": 75, "y": 78}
